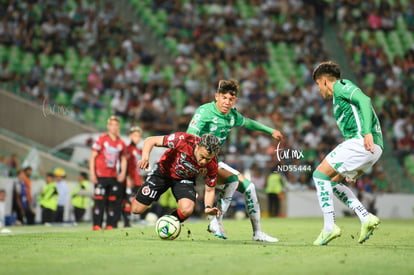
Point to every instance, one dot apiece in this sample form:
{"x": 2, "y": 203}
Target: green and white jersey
{"x": 354, "y": 113}
{"x": 208, "y": 119}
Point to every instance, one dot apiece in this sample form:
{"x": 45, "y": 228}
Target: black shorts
{"x": 157, "y": 183}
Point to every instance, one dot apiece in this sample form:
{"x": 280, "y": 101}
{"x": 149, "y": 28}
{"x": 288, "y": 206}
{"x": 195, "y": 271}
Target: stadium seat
{"x": 89, "y": 115}
{"x": 62, "y": 99}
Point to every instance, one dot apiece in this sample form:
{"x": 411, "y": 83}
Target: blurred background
{"x": 66, "y": 66}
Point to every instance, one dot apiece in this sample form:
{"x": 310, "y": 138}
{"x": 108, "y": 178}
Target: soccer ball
{"x": 168, "y": 227}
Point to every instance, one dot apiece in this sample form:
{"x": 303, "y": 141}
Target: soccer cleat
{"x": 263, "y": 237}
{"x": 109, "y": 227}
{"x": 217, "y": 229}
{"x": 96, "y": 228}
{"x": 367, "y": 228}
{"x": 325, "y": 237}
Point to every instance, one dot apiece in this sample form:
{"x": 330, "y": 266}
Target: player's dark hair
{"x": 210, "y": 142}
{"x": 230, "y": 86}
{"x": 328, "y": 68}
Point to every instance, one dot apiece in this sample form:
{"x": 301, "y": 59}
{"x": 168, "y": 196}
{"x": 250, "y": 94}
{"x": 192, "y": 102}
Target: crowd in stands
{"x": 9, "y": 164}
{"x": 107, "y": 69}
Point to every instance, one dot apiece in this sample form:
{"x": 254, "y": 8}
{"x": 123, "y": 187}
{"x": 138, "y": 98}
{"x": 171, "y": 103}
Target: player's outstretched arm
{"x": 257, "y": 126}
{"x": 149, "y": 143}
{"x": 277, "y": 135}
{"x": 209, "y": 196}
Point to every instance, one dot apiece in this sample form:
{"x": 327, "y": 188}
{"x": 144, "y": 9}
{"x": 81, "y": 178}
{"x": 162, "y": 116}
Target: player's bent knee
{"x": 186, "y": 207}
{"x": 137, "y": 207}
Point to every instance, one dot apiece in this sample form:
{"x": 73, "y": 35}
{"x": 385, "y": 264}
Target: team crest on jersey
{"x": 171, "y": 137}
{"x": 232, "y": 122}
{"x": 146, "y": 191}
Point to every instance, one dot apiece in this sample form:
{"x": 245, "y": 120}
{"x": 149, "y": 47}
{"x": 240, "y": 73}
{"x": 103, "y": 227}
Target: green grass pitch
{"x": 137, "y": 250}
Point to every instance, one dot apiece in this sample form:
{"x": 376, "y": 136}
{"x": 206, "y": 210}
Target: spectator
{"x": 4, "y": 166}
{"x": 60, "y": 175}
{"x": 14, "y": 165}
{"x": 274, "y": 190}
{"x": 80, "y": 197}
{"x": 6, "y": 73}
{"x": 2, "y": 207}
{"x": 257, "y": 177}
{"x": 48, "y": 200}
{"x": 26, "y": 178}
{"x": 25, "y": 213}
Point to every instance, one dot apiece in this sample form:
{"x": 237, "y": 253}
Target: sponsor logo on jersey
{"x": 232, "y": 121}
{"x": 186, "y": 182}
{"x": 213, "y": 128}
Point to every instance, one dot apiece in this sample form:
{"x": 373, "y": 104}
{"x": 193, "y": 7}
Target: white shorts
{"x": 351, "y": 158}
{"x": 227, "y": 167}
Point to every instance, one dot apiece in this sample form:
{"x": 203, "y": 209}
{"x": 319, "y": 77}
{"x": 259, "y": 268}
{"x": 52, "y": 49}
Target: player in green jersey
{"x": 361, "y": 149}
{"x": 218, "y": 118}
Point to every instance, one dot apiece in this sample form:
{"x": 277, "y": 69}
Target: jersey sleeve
{"x": 257, "y": 126}
{"x": 198, "y": 121}
{"x": 358, "y": 98}
{"x": 240, "y": 120}
{"x": 174, "y": 140}
{"x": 211, "y": 177}
{"x": 97, "y": 145}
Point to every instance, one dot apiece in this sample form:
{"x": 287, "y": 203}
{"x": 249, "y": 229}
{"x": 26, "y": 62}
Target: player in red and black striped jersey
{"x": 133, "y": 179}
{"x": 106, "y": 157}
{"x": 188, "y": 156}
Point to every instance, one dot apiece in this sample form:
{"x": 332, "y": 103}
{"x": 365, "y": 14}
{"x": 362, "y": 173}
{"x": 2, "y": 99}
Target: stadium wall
{"x": 47, "y": 161}
{"x": 47, "y": 124}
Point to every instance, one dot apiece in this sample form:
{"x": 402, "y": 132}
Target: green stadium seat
{"x": 369, "y": 80}
{"x": 89, "y": 115}
{"x": 44, "y": 60}
{"x": 4, "y": 52}
{"x": 57, "y": 59}
{"x": 62, "y": 98}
